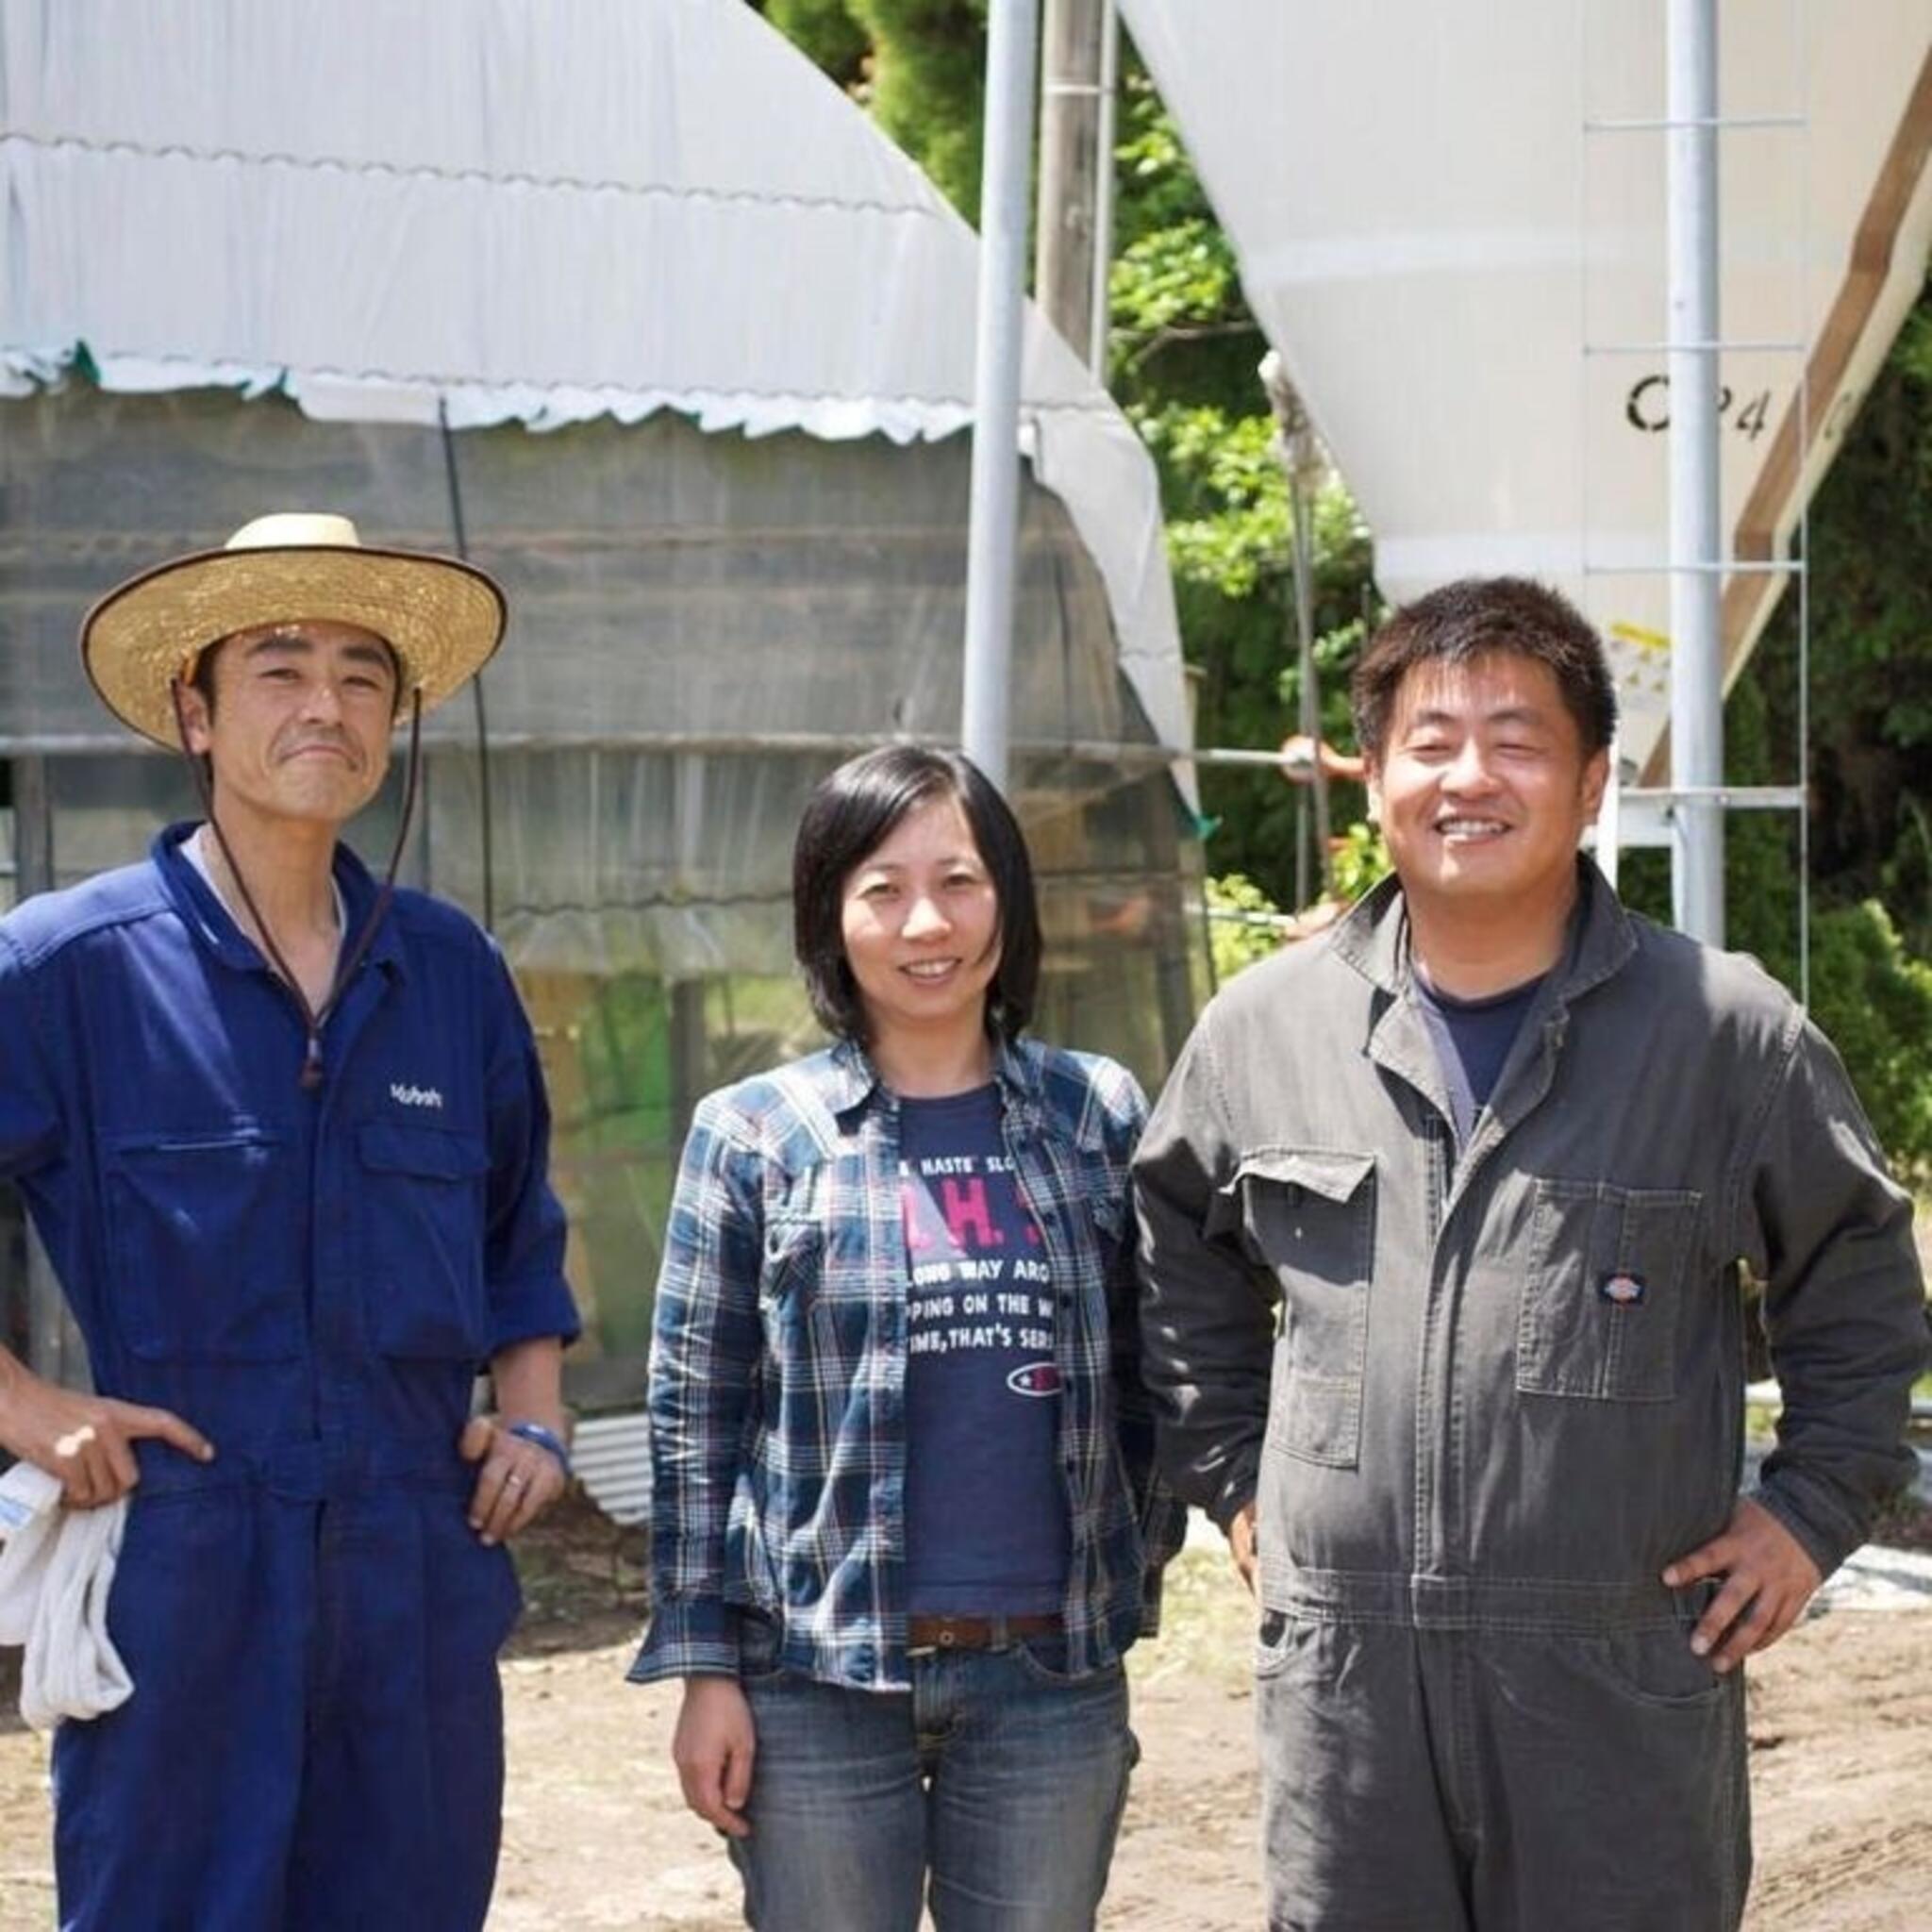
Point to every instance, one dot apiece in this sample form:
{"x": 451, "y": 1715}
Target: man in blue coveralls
{"x": 284, "y": 1134}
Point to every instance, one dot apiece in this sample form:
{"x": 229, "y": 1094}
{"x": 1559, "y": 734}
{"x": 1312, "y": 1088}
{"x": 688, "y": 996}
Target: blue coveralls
{"x": 311, "y": 1279}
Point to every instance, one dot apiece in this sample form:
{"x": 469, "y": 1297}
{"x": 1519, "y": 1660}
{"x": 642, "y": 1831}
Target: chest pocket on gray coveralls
{"x": 1309, "y": 1213}
{"x": 205, "y": 1230}
{"x": 1602, "y": 1295}
{"x": 422, "y": 1215}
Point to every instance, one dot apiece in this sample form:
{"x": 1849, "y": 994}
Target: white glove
{"x": 57, "y": 1567}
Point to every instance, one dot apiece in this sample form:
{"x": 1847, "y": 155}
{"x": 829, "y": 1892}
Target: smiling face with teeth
{"x": 920, "y": 922}
{"x": 1483, "y": 790}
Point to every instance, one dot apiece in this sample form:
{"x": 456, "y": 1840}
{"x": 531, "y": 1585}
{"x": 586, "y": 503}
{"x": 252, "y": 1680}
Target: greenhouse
{"x": 728, "y": 507}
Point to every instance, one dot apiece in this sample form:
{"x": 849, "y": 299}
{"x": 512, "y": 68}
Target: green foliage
{"x": 1761, "y": 862}
{"x": 1158, "y": 178}
{"x": 1230, "y": 542}
{"x": 1870, "y": 996}
{"x": 1906, "y": 875}
{"x": 929, "y": 77}
{"x": 1870, "y": 611}
{"x": 1173, "y": 285}
{"x": 1240, "y": 924}
{"x": 1227, "y": 500}
{"x": 1182, "y": 362}
{"x": 1875, "y": 1003}
{"x": 1361, "y": 861}
{"x": 826, "y": 33}
{"x": 1183, "y": 353}
{"x": 1181, "y": 328}
{"x": 1185, "y": 350}
{"x": 1870, "y": 727}
{"x": 919, "y": 67}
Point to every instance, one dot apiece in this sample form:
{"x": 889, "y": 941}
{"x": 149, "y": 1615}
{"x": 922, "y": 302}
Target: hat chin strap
{"x": 349, "y": 958}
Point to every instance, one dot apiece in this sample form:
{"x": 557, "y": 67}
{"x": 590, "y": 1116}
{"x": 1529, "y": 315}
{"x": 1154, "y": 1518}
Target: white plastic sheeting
{"x": 701, "y": 626}
{"x": 1450, "y": 228}
{"x": 519, "y": 210}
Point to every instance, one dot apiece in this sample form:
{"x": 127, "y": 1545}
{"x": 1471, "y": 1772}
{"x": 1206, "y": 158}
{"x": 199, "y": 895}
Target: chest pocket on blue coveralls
{"x": 422, "y": 1212}
{"x": 1309, "y": 1213}
{"x": 205, "y": 1231}
{"x": 1603, "y": 1290}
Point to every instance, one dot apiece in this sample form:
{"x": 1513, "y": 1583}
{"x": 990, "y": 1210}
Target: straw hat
{"x": 443, "y": 619}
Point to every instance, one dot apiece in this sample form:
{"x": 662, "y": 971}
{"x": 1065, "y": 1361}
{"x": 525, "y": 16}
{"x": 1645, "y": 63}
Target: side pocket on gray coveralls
{"x": 1309, "y": 1213}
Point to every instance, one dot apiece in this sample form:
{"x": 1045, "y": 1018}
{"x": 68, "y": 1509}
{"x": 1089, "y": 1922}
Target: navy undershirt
{"x": 986, "y": 1514}
{"x": 1473, "y": 1039}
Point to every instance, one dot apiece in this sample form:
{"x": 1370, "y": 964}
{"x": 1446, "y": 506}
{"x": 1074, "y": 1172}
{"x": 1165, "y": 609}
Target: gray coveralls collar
{"x": 1373, "y": 940}
{"x": 1374, "y": 936}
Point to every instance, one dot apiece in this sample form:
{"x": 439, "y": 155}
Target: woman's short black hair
{"x": 848, "y": 817}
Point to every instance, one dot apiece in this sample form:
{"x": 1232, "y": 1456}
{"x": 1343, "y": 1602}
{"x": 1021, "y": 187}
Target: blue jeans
{"x": 998, "y": 1778}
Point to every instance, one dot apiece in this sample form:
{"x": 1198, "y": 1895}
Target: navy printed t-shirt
{"x": 985, "y": 1516}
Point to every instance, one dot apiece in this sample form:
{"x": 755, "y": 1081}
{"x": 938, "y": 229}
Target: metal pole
{"x": 53, "y": 1348}
{"x": 993, "y": 539}
{"x": 33, "y": 826}
{"x": 1302, "y": 498}
{"x": 485, "y": 800}
{"x": 1065, "y": 238}
{"x": 1609, "y": 821}
{"x": 1299, "y": 453}
{"x": 1101, "y": 313}
{"x": 1697, "y": 717}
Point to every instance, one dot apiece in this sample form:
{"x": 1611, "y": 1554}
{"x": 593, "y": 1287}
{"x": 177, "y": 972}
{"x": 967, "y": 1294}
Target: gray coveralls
{"x": 1506, "y": 1392}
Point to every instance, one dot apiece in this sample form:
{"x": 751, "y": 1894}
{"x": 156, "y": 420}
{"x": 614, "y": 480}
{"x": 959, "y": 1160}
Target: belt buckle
{"x": 945, "y": 1635}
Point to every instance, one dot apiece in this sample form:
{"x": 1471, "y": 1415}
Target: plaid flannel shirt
{"x": 778, "y": 1367}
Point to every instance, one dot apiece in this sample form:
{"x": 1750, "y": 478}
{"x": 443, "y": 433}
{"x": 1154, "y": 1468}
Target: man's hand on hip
{"x": 86, "y": 1440}
{"x": 1768, "y": 1581}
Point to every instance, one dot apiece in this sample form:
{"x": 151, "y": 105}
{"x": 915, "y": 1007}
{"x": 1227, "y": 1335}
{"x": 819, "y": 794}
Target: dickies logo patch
{"x": 1035, "y": 1378}
{"x": 1623, "y": 1290}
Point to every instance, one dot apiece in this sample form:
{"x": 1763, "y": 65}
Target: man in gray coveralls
{"x": 1494, "y": 1149}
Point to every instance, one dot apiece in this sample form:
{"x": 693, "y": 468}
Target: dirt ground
{"x": 595, "y": 1838}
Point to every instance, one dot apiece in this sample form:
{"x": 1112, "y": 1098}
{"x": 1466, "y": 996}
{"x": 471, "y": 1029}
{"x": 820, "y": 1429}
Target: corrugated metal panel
{"x": 613, "y": 1456}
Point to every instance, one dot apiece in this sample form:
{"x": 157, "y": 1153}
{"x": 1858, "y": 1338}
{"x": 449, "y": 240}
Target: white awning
{"x": 510, "y": 209}
{"x": 1450, "y": 219}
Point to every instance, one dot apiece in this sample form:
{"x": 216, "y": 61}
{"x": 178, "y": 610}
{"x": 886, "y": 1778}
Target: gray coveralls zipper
{"x": 1506, "y": 1390}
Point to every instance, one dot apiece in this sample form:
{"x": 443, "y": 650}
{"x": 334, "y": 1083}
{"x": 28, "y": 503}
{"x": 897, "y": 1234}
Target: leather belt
{"x": 976, "y": 1633}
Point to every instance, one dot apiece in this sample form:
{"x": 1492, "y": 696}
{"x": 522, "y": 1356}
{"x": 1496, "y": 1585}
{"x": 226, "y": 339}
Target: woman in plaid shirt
{"x": 905, "y": 1523}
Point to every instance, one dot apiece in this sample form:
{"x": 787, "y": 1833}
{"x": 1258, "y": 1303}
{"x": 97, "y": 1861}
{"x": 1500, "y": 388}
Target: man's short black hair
{"x": 1475, "y": 617}
{"x": 848, "y": 816}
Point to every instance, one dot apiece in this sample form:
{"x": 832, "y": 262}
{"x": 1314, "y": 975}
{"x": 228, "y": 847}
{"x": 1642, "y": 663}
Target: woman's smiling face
{"x": 920, "y": 922}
